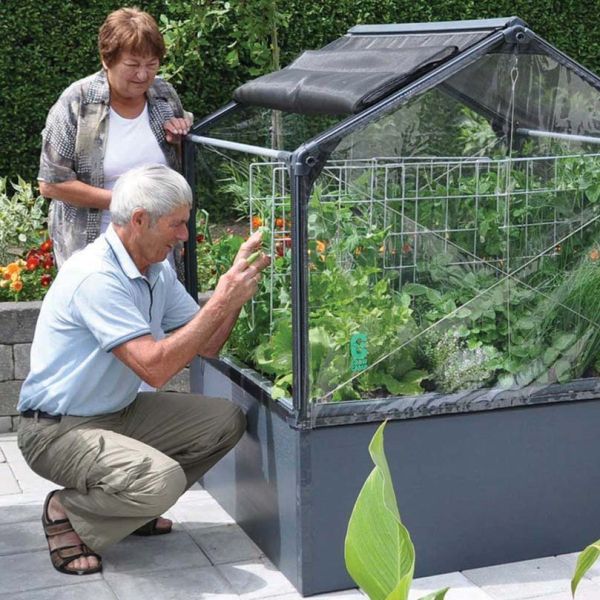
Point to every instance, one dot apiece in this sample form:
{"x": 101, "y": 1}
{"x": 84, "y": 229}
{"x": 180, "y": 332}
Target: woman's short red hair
{"x": 130, "y": 30}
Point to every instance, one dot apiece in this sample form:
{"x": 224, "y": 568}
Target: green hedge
{"x": 45, "y": 46}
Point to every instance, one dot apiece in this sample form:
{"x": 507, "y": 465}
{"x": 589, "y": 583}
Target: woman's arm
{"x": 77, "y": 193}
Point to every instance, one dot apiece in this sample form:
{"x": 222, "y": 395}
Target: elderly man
{"x": 124, "y": 457}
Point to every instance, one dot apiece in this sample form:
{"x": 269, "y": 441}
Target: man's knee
{"x": 166, "y": 489}
{"x": 233, "y": 425}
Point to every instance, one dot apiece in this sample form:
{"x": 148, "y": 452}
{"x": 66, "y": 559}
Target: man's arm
{"x": 156, "y": 361}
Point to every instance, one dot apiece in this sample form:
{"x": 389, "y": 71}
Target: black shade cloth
{"x": 341, "y": 82}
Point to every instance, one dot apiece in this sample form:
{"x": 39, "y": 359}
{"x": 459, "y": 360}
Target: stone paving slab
{"x": 21, "y": 499}
{"x": 33, "y": 571}
{"x": 586, "y": 590}
{"x": 175, "y": 550}
{"x": 203, "y": 512}
{"x": 460, "y": 587}
{"x": 19, "y": 513}
{"x": 256, "y": 579}
{"x": 571, "y": 560}
{"x": 175, "y": 584}
{"x": 10, "y": 449}
{"x": 30, "y": 482}
{"x": 528, "y": 579}
{"x": 8, "y": 482}
{"x": 225, "y": 544}
{"x": 96, "y": 590}
{"x": 21, "y": 537}
{"x": 345, "y": 595}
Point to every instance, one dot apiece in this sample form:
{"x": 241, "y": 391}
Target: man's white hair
{"x": 157, "y": 189}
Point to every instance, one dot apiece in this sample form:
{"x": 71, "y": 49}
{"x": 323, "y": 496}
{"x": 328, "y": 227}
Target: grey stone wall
{"x": 17, "y": 325}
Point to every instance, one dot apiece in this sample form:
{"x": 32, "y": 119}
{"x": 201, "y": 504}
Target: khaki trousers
{"x": 123, "y": 469}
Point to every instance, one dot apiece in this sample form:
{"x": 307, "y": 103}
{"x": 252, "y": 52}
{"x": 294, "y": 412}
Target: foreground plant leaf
{"x": 585, "y": 561}
{"x": 379, "y": 553}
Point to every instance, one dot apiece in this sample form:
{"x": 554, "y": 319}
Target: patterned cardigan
{"x": 73, "y": 145}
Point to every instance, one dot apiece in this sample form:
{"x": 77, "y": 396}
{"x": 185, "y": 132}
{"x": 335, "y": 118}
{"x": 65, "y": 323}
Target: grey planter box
{"x": 475, "y": 488}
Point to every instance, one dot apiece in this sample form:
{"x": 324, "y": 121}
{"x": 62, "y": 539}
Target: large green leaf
{"x": 379, "y": 553}
{"x": 585, "y": 561}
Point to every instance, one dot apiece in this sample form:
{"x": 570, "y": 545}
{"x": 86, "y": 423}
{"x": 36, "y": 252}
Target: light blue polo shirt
{"x": 98, "y": 301}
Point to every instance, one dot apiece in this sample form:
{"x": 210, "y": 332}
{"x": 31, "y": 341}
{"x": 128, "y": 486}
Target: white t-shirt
{"x": 130, "y": 144}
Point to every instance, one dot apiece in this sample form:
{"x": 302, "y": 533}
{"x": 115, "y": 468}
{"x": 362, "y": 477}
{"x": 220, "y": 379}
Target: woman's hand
{"x": 176, "y": 128}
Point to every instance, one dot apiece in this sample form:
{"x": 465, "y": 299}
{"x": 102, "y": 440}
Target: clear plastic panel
{"x": 449, "y": 249}
{"x": 270, "y": 128}
{"x": 259, "y": 191}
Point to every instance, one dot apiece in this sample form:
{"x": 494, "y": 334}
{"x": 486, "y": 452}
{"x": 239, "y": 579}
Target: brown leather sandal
{"x": 151, "y": 528}
{"x": 64, "y": 555}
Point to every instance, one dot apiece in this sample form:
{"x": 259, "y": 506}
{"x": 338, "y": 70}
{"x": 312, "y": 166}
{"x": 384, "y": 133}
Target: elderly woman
{"x": 106, "y": 124}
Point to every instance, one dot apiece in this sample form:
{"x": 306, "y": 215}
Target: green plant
{"x": 379, "y": 553}
{"x": 22, "y": 219}
{"x": 454, "y": 365}
{"x": 585, "y": 561}
{"x": 347, "y": 298}
{"x": 573, "y": 311}
{"x": 38, "y": 61}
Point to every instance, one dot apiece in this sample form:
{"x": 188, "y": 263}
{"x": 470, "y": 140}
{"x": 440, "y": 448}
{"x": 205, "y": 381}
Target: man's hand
{"x": 240, "y": 283}
{"x": 176, "y": 128}
{"x": 251, "y": 245}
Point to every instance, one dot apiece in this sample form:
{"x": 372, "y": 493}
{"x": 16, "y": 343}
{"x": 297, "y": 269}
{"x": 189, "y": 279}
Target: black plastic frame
{"x": 305, "y": 165}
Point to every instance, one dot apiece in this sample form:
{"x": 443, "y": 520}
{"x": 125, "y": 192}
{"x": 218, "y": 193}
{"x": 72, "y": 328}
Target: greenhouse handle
{"x": 280, "y": 155}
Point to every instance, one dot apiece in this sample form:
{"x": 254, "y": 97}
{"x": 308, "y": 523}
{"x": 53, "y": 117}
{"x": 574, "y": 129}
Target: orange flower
{"x": 594, "y": 254}
{"x": 17, "y": 285}
{"x": 280, "y": 223}
{"x": 12, "y": 268}
{"x": 321, "y": 246}
{"x": 256, "y": 222}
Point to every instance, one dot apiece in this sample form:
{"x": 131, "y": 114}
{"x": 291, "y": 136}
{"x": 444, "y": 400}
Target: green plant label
{"x": 358, "y": 352}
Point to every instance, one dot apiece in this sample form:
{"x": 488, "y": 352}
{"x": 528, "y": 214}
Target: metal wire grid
{"x": 446, "y": 199}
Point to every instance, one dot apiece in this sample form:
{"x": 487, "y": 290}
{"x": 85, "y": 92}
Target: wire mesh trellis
{"x": 498, "y": 213}
{"x": 476, "y": 232}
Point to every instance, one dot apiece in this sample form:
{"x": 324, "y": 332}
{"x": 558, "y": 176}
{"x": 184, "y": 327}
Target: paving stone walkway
{"x": 207, "y": 556}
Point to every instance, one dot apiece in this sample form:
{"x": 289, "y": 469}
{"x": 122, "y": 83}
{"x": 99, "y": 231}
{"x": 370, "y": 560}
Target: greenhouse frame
{"x": 430, "y": 196}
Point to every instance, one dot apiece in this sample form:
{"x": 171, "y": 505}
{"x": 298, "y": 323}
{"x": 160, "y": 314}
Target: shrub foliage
{"x": 217, "y": 44}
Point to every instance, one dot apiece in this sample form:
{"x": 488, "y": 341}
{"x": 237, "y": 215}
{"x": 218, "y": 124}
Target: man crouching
{"x": 124, "y": 457}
